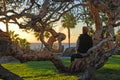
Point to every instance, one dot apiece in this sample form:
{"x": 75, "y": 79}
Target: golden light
{"x": 31, "y": 38}
{"x": 22, "y": 34}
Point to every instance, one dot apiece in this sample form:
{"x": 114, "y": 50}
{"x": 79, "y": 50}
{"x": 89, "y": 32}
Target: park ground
{"x": 45, "y": 70}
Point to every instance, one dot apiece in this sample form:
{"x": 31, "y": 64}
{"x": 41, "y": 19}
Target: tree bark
{"x": 98, "y": 25}
{"x": 68, "y": 37}
{"x": 55, "y": 37}
{"x": 7, "y": 75}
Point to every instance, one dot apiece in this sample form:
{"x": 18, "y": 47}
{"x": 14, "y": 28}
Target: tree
{"x": 4, "y": 3}
{"x": 37, "y": 36}
{"x": 37, "y": 14}
{"x": 21, "y": 42}
{"x": 69, "y": 21}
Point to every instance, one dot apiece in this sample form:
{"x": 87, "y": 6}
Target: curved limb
{"x": 55, "y": 37}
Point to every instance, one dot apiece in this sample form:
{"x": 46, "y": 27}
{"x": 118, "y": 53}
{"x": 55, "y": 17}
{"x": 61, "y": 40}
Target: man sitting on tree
{"x": 84, "y": 42}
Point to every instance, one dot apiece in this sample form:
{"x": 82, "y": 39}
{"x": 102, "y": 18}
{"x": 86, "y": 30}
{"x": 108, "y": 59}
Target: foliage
{"x": 87, "y": 17}
{"x": 24, "y": 44}
{"x": 14, "y": 37}
{"x": 69, "y": 21}
{"x": 118, "y": 38}
{"x": 21, "y": 42}
{"x": 37, "y": 35}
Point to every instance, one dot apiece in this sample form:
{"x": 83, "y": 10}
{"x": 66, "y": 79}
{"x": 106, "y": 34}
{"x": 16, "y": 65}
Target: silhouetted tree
{"x": 69, "y": 21}
{"x": 37, "y": 14}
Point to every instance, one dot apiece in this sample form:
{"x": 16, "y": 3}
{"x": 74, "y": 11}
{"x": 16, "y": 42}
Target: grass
{"x": 110, "y": 71}
{"x": 44, "y": 70}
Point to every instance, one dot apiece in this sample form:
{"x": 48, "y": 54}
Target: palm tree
{"x": 69, "y": 21}
{"x": 24, "y": 44}
{"x": 14, "y": 37}
{"x": 37, "y": 36}
{"x": 21, "y": 42}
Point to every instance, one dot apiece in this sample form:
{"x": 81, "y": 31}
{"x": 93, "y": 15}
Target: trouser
{"x": 76, "y": 56}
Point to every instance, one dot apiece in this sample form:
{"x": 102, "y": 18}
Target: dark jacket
{"x": 84, "y": 43}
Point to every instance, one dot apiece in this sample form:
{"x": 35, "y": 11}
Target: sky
{"x": 30, "y": 37}
{"x": 75, "y": 32}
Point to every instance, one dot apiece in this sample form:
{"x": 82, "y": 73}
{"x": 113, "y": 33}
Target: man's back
{"x": 84, "y": 43}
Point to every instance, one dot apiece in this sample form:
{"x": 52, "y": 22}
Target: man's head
{"x": 85, "y": 29}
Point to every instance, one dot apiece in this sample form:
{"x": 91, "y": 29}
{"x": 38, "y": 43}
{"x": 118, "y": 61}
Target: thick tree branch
{"x": 7, "y": 75}
{"x": 97, "y": 63}
{"x": 55, "y": 36}
{"x": 100, "y": 44}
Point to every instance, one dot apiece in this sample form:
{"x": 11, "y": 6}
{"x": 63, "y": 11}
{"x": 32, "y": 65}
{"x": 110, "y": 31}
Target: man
{"x": 84, "y": 42}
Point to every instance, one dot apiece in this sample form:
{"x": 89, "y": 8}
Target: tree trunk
{"x": 98, "y": 25}
{"x": 88, "y": 74}
{"x": 41, "y": 47}
{"x": 68, "y": 37}
{"x": 7, "y": 75}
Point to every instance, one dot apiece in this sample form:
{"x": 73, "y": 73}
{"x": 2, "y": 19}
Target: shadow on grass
{"x": 45, "y": 70}
{"x": 48, "y": 65}
{"x": 115, "y": 59}
{"x": 110, "y": 71}
{"x": 107, "y": 74}
{"x": 43, "y": 75}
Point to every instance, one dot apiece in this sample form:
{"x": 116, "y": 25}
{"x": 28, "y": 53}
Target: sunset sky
{"x": 30, "y": 37}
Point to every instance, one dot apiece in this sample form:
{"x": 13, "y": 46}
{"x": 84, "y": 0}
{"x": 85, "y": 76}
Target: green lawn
{"x": 110, "y": 71}
{"x": 44, "y": 70}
